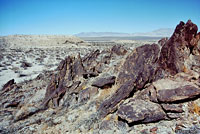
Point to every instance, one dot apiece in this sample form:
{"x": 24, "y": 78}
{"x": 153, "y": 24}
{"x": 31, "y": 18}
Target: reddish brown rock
{"x": 162, "y": 41}
{"x": 104, "y": 82}
{"x": 77, "y": 67}
{"x": 138, "y": 69}
{"x": 177, "y": 94}
{"x": 140, "y": 111}
{"x": 69, "y": 71}
{"x": 177, "y": 108}
{"x": 110, "y": 104}
{"x": 148, "y": 94}
{"x": 90, "y": 58}
{"x": 173, "y": 90}
{"x": 8, "y": 85}
{"x": 119, "y": 50}
{"x": 178, "y": 48}
{"x": 154, "y": 129}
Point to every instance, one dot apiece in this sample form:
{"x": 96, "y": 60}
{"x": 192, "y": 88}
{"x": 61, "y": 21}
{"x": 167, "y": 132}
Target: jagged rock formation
{"x": 137, "y": 70}
{"x": 179, "y": 47}
{"x": 113, "y": 90}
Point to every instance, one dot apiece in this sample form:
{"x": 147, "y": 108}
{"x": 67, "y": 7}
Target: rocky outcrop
{"x": 119, "y": 50}
{"x": 8, "y": 85}
{"x": 178, "y": 48}
{"x": 138, "y": 69}
{"x": 162, "y": 41}
{"x": 70, "y": 70}
{"x": 111, "y": 91}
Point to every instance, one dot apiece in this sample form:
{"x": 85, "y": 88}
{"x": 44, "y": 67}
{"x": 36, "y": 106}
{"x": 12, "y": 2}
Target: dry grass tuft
{"x": 185, "y": 69}
{"x": 83, "y": 87}
{"x": 194, "y": 108}
{"x": 105, "y": 93}
{"x": 108, "y": 117}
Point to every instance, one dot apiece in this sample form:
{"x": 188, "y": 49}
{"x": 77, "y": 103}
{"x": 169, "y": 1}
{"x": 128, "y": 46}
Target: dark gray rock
{"x": 104, "y": 82}
{"x": 138, "y": 69}
{"x": 140, "y": 111}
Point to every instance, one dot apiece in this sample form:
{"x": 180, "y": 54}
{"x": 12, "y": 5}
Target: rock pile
{"x": 111, "y": 91}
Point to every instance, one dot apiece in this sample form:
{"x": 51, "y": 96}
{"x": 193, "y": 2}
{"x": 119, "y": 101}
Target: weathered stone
{"x": 84, "y": 95}
{"x": 69, "y": 71}
{"x": 87, "y": 93}
{"x": 24, "y": 112}
{"x": 154, "y": 129}
{"x": 178, "y": 48}
{"x": 105, "y": 57}
{"x": 14, "y": 103}
{"x": 105, "y": 125}
{"x": 58, "y": 93}
{"x": 78, "y": 69}
{"x": 177, "y": 94}
{"x": 174, "y": 115}
{"x": 137, "y": 70}
{"x": 8, "y": 85}
{"x": 162, "y": 41}
{"x": 140, "y": 111}
{"x": 110, "y": 104}
{"x": 139, "y": 67}
{"x": 119, "y": 50}
{"x": 90, "y": 57}
{"x": 173, "y": 108}
{"x": 172, "y": 90}
{"x": 189, "y": 75}
{"x": 148, "y": 93}
{"x": 93, "y": 91}
{"x": 25, "y": 64}
{"x": 104, "y": 82}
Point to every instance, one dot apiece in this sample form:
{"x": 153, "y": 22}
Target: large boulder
{"x": 104, "y": 82}
{"x": 172, "y": 90}
{"x": 138, "y": 69}
{"x": 177, "y": 49}
{"x": 140, "y": 111}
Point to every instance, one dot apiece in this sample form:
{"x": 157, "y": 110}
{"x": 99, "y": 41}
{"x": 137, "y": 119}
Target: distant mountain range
{"x": 163, "y": 32}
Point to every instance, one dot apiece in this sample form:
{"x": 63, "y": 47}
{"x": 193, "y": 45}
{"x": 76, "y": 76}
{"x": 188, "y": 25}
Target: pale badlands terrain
{"x": 64, "y": 84}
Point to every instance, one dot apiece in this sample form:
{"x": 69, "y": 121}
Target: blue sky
{"x": 74, "y": 16}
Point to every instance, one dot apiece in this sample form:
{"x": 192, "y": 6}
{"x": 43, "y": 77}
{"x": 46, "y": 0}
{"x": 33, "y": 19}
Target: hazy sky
{"x": 74, "y": 16}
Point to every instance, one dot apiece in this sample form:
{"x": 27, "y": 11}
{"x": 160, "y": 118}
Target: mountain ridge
{"x": 162, "y": 32}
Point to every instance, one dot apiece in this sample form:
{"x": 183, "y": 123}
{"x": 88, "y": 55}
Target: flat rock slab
{"x": 171, "y": 90}
{"x": 141, "y": 111}
{"x": 175, "y": 108}
{"x": 104, "y": 82}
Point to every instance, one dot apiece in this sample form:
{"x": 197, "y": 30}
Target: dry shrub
{"x": 194, "y": 108}
{"x": 105, "y": 93}
{"x": 108, "y": 117}
{"x": 185, "y": 69}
